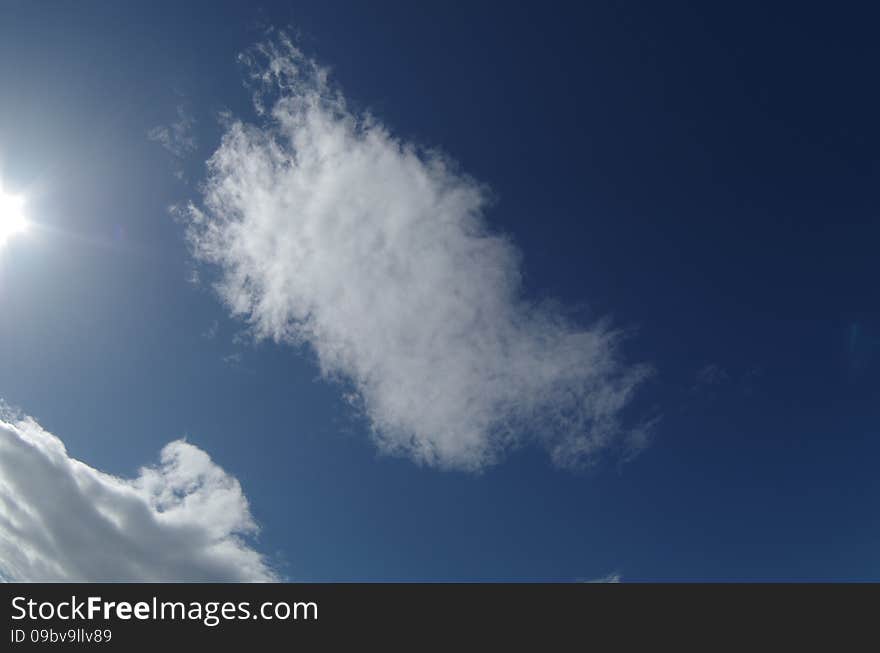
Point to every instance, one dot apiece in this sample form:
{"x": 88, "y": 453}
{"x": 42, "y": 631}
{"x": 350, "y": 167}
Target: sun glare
{"x": 12, "y": 220}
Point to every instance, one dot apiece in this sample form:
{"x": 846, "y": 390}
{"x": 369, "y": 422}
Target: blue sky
{"x": 705, "y": 179}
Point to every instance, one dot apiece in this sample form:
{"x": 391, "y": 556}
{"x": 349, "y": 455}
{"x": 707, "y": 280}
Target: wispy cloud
{"x": 61, "y": 520}
{"x": 709, "y": 376}
{"x": 211, "y": 332}
{"x": 610, "y": 578}
{"x": 234, "y": 359}
{"x": 328, "y": 230}
{"x": 178, "y": 138}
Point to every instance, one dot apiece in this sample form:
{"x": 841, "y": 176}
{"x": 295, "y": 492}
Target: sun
{"x": 12, "y": 219}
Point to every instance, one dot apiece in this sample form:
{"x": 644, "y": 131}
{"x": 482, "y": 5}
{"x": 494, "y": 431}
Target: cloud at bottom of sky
{"x": 329, "y": 231}
{"x": 613, "y": 577}
{"x": 61, "y": 520}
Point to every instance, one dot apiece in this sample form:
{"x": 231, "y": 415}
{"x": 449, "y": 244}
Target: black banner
{"x": 415, "y": 616}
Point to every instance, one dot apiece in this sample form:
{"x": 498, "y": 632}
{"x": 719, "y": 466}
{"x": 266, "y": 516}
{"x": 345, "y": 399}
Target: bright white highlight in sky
{"x": 12, "y": 220}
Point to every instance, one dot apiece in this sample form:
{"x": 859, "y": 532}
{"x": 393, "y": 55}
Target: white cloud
{"x": 710, "y": 375}
{"x": 610, "y": 578}
{"x": 61, "y": 520}
{"x": 178, "y": 139}
{"x": 330, "y": 231}
{"x": 211, "y": 332}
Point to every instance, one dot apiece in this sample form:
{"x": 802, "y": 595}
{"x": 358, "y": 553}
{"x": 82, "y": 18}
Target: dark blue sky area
{"x": 705, "y": 176}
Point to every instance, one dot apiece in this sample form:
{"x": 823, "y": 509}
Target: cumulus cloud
{"x": 329, "y": 231}
{"x": 61, "y": 520}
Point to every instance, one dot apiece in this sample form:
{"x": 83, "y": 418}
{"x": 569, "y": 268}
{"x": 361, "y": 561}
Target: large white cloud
{"x": 330, "y": 231}
{"x": 61, "y": 520}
